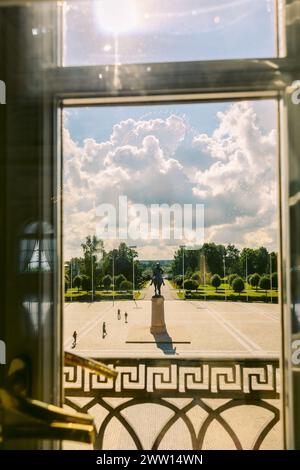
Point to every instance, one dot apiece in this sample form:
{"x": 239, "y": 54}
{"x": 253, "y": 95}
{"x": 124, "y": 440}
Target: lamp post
{"x": 246, "y": 277}
{"x": 113, "y": 275}
{"x": 183, "y": 247}
{"x": 224, "y": 269}
{"x": 91, "y": 250}
{"x": 271, "y": 284}
{"x": 133, "y": 247}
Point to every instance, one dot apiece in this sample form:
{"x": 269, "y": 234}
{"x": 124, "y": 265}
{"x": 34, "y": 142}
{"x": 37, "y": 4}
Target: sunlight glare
{"x": 116, "y": 16}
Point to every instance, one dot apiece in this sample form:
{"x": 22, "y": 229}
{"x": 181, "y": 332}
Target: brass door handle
{"x": 90, "y": 364}
{"x": 23, "y": 417}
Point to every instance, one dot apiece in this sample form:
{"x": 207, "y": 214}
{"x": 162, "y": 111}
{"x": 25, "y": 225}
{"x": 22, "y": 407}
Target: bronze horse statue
{"x": 157, "y": 280}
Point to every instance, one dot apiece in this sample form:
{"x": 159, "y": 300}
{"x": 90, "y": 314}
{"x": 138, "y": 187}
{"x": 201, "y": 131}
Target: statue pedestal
{"x": 158, "y": 325}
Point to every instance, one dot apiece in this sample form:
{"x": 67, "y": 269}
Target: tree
{"x": 196, "y": 277}
{"x": 119, "y": 279}
{"x": 274, "y": 278}
{"x": 264, "y": 283}
{"x": 85, "y": 282}
{"x": 254, "y": 280}
{"x": 77, "y": 281}
{"x": 191, "y": 284}
{"x": 262, "y": 260}
{"x": 215, "y": 281}
{"x": 214, "y": 255}
{"x": 178, "y": 280}
{"x": 106, "y": 281}
{"x": 238, "y": 285}
{"x": 126, "y": 285}
{"x": 91, "y": 247}
{"x": 231, "y": 277}
{"x": 232, "y": 259}
{"x": 247, "y": 260}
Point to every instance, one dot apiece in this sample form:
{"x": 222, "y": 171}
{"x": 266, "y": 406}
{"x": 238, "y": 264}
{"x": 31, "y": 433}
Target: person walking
{"x": 74, "y": 339}
{"x": 119, "y": 314}
{"x": 104, "y": 332}
{"x": 126, "y": 316}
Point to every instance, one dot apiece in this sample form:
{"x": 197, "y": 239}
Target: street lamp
{"x": 224, "y": 269}
{"x": 91, "y": 246}
{"x": 113, "y": 275}
{"x": 183, "y": 247}
{"x": 271, "y": 284}
{"x": 246, "y": 277}
{"x": 133, "y": 247}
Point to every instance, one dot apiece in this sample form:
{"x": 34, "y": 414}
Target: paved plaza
{"x": 197, "y": 328}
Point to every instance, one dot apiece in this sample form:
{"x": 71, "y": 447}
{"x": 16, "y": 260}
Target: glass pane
{"x": 208, "y": 315}
{"x": 130, "y": 31}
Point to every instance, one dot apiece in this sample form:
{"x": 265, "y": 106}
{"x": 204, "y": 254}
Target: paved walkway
{"x": 213, "y": 328}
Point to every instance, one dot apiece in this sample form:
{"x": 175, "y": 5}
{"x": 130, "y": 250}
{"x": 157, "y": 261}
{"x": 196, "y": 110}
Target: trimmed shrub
{"x": 238, "y": 285}
{"x": 106, "y": 281}
{"x": 191, "y": 284}
{"x": 85, "y": 282}
{"x": 254, "y": 280}
{"x": 264, "y": 283}
{"x": 231, "y": 278}
{"x": 77, "y": 281}
{"x": 196, "y": 277}
{"x": 274, "y": 280}
{"x": 178, "y": 280}
{"x": 215, "y": 281}
{"x": 126, "y": 285}
{"x": 119, "y": 279}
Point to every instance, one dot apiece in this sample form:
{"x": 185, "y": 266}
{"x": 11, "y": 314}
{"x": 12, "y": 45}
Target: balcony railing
{"x": 181, "y": 403}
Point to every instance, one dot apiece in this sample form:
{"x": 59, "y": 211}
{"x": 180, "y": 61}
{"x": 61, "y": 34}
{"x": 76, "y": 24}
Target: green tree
{"x": 191, "y": 284}
{"x": 179, "y": 280}
{"x": 119, "y": 279}
{"x": 77, "y": 281}
{"x": 214, "y": 255}
{"x": 238, "y": 285}
{"x": 126, "y": 285}
{"x": 215, "y": 281}
{"x": 232, "y": 259}
{"x": 85, "y": 282}
{"x": 261, "y": 260}
{"x": 274, "y": 280}
{"x": 92, "y": 247}
{"x": 107, "y": 281}
{"x": 231, "y": 277}
{"x": 264, "y": 283}
{"x": 254, "y": 280}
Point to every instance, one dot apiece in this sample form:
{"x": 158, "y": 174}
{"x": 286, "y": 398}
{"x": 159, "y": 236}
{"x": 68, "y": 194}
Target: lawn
{"x": 208, "y": 292}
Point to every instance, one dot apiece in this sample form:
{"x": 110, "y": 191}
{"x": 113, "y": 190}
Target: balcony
{"x": 181, "y": 403}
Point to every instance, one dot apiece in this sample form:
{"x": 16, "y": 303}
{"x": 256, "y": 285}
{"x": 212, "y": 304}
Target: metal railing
{"x": 196, "y": 393}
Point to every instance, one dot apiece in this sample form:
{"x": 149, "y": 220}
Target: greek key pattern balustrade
{"x": 195, "y": 393}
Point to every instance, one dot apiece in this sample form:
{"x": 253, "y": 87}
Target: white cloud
{"x": 237, "y": 181}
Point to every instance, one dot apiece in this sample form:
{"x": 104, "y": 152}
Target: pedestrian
{"x": 119, "y": 314}
{"x": 74, "y": 339}
{"x": 104, "y": 332}
{"x": 126, "y": 316}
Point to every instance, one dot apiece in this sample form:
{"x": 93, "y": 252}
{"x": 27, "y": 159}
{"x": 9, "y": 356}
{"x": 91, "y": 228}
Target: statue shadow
{"x": 165, "y": 343}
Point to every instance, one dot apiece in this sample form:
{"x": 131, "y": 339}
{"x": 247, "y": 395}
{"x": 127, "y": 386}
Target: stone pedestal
{"x": 158, "y": 325}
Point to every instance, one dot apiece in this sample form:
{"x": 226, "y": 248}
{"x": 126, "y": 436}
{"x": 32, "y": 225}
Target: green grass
{"x": 210, "y": 292}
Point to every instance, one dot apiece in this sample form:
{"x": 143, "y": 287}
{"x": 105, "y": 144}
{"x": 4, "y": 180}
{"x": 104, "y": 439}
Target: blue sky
{"x": 168, "y": 30}
{"x": 222, "y": 155}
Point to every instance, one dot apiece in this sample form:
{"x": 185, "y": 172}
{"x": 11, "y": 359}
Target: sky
{"x": 140, "y": 31}
{"x": 221, "y": 155}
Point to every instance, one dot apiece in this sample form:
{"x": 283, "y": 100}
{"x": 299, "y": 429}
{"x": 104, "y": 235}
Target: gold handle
{"x": 25, "y": 418}
{"x": 87, "y": 363}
